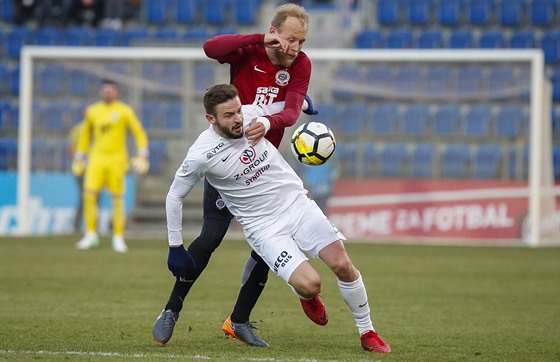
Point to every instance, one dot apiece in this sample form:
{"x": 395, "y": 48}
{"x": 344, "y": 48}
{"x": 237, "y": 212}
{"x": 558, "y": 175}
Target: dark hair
{"x": 218, "y": 94}
{"x": 109, "y": 81}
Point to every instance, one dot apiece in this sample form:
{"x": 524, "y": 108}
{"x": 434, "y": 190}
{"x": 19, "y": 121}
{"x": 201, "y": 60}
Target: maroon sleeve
{"x": 297, "y": 89}
{"x": 227, "y": 48}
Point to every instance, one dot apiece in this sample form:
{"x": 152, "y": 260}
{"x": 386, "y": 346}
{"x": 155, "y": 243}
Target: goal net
{"x": 432, "y": 145}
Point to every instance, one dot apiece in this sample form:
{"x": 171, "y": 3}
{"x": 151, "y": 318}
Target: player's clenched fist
{"x": 78, "y": 165}
{"x": 140, "y": 164}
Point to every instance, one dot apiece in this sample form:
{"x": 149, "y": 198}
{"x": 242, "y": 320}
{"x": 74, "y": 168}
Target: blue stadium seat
{"x": 16, "y": 38}
{"x": 203, "y": 77}
{"x": 439, "y": 80}
{"x": 415, "y": 120}
{"x": 173, "y": 116}
{"x": 155, "y": 11}
{"x": 380, "y": 80}
{"x": 215, "y": 11}
{"x": 7, "y": 10}
{"x": 151, "y": 113}
{"x": 171, "y": 74}
{"x": 555, "y": 80}
{"x": 369, "y": 38}
{"x": 384, "y": 119}
{"x": 43, "y": 155}
{"x": 343, "y": 74}
{"x": 447, "y": 120}
{"x": 389, "y": 12}
{"x": 5, "y": 110}
{"x": 478, "y": 121}
{"x": 510, "y": 121}
{"x": 492, "y": 39}
{"x": 455, "y": 161}
{"x": 131, "y": 35}
{"x": 422, "y": 161}
{"x": 53, "y": 116}
{"x": 408, "y": 80}
{"x": 52, "y": 80}
{"x": 460, "y": 39}
{"x": 499, "y": 81}
{"x": 487, "y": 161}
{"x": 418, "y": 12}
{"x": 392, "y": 160}
{"x": 542, "y": 12}
{"x": 347, "y": 156}
{"x": 186, "y": 11}
{"x": 226, "y": 30}
{"x": 512, "y": 12}
{"x": 166, "y": 33}
{"x": 430, "y": 39}
{"x": 398, "y": 39}
{"x": 449, "y": 12}
{"x": 352, "y": 118}
{"x": 328, "y": 114}
{"x": 480, "y": 12}
{"x": 556, "y": 123}
{"x": 522, "y": 39}
{"x": 556, "y": 161}
{"x": 105, "y": 37}
{"x": 550, "y": 44}
{"x": 246, "y": 11}
{"x": 158, "y": 152}
{"x": 470, "y": 80}
{"x": 79, "y": 36}
{"x": 4, "y": 80}
{"x": 80, "y": 82}
{"x": 197, "y": 34}
{"x": 8, "y": 153}
{"x": 49, "y": 36}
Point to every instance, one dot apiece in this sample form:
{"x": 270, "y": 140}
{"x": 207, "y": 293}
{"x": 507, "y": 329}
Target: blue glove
{"x": 181, "y": 263}
{"x": 310, "y": 111}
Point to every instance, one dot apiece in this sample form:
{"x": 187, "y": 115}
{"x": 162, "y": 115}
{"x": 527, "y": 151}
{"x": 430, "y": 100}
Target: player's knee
{"x": 213, "y": 232}
{"x": 345, "y": 270}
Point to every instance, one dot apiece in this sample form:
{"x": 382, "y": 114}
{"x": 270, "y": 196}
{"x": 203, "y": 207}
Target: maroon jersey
{"x": 261, "y": 82}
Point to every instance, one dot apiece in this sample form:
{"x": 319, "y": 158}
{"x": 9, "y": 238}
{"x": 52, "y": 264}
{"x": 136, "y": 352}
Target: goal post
{"x": 527, "y": 174}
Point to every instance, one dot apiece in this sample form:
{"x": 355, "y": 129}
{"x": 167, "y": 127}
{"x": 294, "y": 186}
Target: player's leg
{"x": 216, "y": 221}
{"x": 116, "y": 187}
{"x": 354, "y": 293}
{"x": 94, "y": 179}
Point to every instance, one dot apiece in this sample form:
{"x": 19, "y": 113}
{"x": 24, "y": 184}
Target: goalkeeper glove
{"x": 181, "y": 263}
{"x": 78, "y": 164}
{"x": 140, "y": 164}
{"x": 309, "y": 109}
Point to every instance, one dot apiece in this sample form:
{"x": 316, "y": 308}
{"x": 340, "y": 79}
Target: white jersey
{"x": 255, "y": 182}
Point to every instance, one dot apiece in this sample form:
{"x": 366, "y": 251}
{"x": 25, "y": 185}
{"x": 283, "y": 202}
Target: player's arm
{"x": 295, "y": 96}
{"x": 140, "y": 162}
{"x": 179, "y": 261}
{"x": 83, "y": 139}
{"x": 228, "y": 48}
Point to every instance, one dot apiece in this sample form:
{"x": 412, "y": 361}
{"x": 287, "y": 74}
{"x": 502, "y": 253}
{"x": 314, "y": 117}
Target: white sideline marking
{"x": 150, "y": 355}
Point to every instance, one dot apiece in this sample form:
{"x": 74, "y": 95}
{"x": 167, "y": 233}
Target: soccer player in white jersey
{"x": 269, "y": 201}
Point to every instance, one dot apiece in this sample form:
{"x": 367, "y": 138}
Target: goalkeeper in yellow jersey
{"x": 102, "y": 154}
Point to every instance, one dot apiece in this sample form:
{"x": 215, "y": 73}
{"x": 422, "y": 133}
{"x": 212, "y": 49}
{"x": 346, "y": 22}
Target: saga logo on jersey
{"x": 214, "y": 150}
{"x": 282, "y": 260}
{"x": 266, "y": 95}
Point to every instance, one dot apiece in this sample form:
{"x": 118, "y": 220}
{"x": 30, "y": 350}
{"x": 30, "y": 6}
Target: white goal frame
{"x": 539, "y": 101}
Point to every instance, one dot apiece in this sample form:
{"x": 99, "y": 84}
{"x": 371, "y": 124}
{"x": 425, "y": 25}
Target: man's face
{"x": 109, "y": 92}
{"x": 228, "y": 121}
{"x": 295, "y": 34}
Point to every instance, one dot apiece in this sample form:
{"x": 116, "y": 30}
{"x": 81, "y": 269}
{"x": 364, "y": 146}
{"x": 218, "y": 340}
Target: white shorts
{"x": 303, "y": 228}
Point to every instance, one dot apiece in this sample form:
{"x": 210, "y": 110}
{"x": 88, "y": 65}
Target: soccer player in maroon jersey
{"x": 265, "y": 68}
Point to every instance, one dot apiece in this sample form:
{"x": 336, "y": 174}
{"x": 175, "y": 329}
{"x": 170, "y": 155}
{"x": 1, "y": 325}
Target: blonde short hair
{"x": 289, "y": 10}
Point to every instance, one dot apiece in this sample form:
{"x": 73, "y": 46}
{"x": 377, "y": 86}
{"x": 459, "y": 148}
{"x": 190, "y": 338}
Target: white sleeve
{"x": 252, "y": 111}
{"x": 186, "y": 177}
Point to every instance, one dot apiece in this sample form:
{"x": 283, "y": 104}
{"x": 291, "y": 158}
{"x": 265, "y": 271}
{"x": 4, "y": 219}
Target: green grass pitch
{"x": 430, "y": 303}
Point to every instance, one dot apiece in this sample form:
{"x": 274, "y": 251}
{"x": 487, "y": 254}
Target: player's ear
{"x": 272, "y": 30}
{"x": 210, "y": 118}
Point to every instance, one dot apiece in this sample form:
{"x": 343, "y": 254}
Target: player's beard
{"x": 230, "y": 133}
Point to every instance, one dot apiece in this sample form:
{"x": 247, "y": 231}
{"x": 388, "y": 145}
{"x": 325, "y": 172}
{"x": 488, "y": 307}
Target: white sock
{"x": 355, "y": 295}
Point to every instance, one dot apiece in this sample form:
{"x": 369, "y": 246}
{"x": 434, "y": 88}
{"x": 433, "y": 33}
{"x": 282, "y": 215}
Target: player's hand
{"x": 309, "y": 109}
{"x": 181, "y": 263}
{"x": 140, "y": 164}
{"x": 255, "y": 132}
{"x": 78, "y": 166}
{"x": 274, "y": 41}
